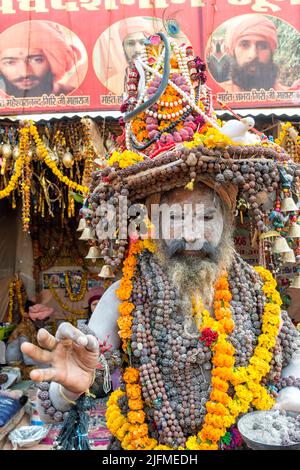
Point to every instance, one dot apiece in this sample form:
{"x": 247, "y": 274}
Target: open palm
{"x": 72, "y": 357}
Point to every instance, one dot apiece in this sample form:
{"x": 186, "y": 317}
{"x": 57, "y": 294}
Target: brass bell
{"x": 87, "y": 234}
{"x": 81, "y": 225}
{"x": 106, "y": 271}
{"x": 294, "y": 231}
{"x": 280, "y": 246}
{"x": 94, "y": 253}
{"x": 6, "y": 150}
{"x": 288, "y": 205}
{"x": 269, "y": 234}
{"x": 296, "y": 282}
{"x": 68, "y": 159}
{"x": 289, "y": 257}
{"x": 16, "y": 152}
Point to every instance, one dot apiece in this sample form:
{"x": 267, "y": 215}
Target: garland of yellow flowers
{"x": 11, "y": 295}
{"x": 124, "y": 159}
{"x": 15, "y": 289}
{"x": 25, "y": 132}
{"x": 67, "y": 308}
{"x": 19, "y": 284}
{"x": 12, "y": 184}
{"x": 50, "y": 163}
{"x": 26, "y": 177}
{"x": 283, "y": 133}
{"x": 82, "y": 291}
{"x": 222, "y": 410}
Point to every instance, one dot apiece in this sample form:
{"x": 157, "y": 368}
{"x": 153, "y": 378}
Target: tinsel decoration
{"x": 74, "y": 434}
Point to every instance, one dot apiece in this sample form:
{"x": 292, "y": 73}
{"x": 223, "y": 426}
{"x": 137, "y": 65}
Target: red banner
{"x": 60, "y": 56}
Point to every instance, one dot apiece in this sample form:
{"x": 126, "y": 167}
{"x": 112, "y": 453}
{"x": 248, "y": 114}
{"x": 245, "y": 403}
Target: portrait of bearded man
{"x": 251, "y": 41}
{"x": 37, "y": 57}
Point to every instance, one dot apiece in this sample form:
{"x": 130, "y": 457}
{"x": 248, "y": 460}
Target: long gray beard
{"x": 189, "y": 274}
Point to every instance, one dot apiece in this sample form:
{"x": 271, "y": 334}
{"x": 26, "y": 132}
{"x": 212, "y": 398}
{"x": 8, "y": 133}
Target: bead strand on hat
{"x": 181, "y": 57}
{"x": 186, "y": 97}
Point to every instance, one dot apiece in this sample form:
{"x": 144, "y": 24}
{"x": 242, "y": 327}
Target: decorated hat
{"x": 173, "y": 139}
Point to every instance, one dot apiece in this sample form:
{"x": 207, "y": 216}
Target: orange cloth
{"x": 48, "y": 37}
{"x": 251, "y": 24}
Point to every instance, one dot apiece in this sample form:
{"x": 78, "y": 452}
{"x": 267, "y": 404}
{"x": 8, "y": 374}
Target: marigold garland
{"x": 11, "y": 294}
{"x": 51, "y": 164}
{"x": 125, "y": 159}
{"x": 222, "y": 409}
{"x": 12, "y": 184}
{"x": 125, "y": 289}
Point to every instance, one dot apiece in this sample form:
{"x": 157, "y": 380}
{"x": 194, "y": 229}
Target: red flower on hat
{"x": 208, "y": 336}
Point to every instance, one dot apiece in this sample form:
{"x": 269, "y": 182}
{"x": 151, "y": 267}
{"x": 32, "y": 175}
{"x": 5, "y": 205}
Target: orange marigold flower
{"x": 221, "y": 397}
{"x": 131, "y": 375}
{"x": 133, "y": 391}
{"x": 137, "y": 431}
{"x": 125, "y": 308}
{"x": 219, "y": 384}
{"x": 211, "y": 433}
{"x": 136, "y": 417}
{"x": 135, "y": 404}
{"x": 216, "y": 408}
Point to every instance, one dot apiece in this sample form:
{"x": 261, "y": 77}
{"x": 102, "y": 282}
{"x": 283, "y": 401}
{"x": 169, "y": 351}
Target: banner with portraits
{"x": 72, "y": 55}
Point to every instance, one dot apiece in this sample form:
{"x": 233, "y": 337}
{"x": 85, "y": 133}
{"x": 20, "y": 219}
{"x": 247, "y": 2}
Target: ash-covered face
{"x": 196, "y": 229}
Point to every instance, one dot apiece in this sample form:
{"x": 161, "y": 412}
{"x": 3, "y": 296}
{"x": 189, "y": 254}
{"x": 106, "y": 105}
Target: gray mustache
{"x": 208, "y": 250}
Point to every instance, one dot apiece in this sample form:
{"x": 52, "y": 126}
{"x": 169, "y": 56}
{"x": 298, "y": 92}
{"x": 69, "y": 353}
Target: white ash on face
{"x": 271, "y": 428}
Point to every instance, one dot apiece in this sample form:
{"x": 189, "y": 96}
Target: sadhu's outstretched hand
{"x": 71, "y": 355}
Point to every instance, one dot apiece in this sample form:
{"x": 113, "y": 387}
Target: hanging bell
{"x": 16, "y": 152}
{"x": 296, "y": 282}
{"x": 289, "y": 257}
{"x": 106, "y": 271}
{"x": 94, "y": 253}
{"x": 81, "y": 225}
{"x": 269, "y": 234}
{"x": 288, "y": 205}
{"x": 6, "y": 150}
{"x": 294, "y": 231}
{"x": 280, "y": 246}
{"x": 68, "y": 159}
{"x": 87, "y": 234}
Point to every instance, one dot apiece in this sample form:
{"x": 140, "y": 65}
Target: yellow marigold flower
{"x": 243, "y": 393}
{"x": 162, "y": 447}
{"x": 191, "y": 443}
